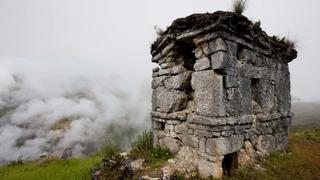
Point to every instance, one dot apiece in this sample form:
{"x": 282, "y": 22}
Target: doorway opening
{"x": 230, "y": 163}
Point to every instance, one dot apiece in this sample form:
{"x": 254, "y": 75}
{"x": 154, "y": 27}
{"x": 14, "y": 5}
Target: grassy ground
{"x": 74, "y": 169}
{"x": 302, "y": 161}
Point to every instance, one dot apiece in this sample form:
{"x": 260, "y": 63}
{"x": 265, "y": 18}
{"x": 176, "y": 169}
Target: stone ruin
{"x": 222, "y": 91}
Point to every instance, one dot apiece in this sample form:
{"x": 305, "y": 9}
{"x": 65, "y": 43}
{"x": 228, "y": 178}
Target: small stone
{"x": 156, "y": 69}
{"x": 167, "y": 171}
{"x": 202, "y": 144}
{"x": 137, "y": 164}
{"x": 198, "y": 53}
{"x": 181, "y": 128}
{"x": 167, "y": 65}
{"x": 202, "y": 64}
{"x": 124, "y": 154}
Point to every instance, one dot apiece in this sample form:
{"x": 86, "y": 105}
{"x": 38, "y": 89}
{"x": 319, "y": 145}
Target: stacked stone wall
{"x": 219, "y": 94}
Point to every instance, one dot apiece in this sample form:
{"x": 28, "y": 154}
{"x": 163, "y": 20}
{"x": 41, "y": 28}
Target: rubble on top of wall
{"x": 226, "y": 24}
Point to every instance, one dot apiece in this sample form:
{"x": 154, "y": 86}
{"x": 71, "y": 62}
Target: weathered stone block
{"x": 190, "y": 140}
{"x": 221, "y": 60}
{"x": 193, "y": 118}
{"x": 202, "y": 144}
{"x": 181, "y": 128}
{"x": 231, "y": 81}
{"x": 206, "y": 133}
{"x": 247, "y": 55}
{"x": 180, "y": 81}
{"x": 198, "y": 53}
{"x": 244, "y": 97}
{"x": 209, "y": 169}
{"x": 172, "y": 144}
{"x": 169, "y": 100}
{"x": 202, "y": 64}
{"x": 214, "y": 46}
{"x": 169, "y": 127}
{"x": 172, "y": 71}
{"x": 179, "y": 115}
{"x": 208, "y": 93}
{"x": 158, "y": 81}
{"x": 223, "y": 146}
{"x": 232, "y": 48}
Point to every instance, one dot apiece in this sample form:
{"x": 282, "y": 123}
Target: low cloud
{"x": 47, "y": 106}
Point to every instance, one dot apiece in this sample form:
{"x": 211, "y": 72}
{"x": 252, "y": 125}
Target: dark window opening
{"x": 239, "y": 52}
{"x": 185, "y": 50}
{"x": 255, "y": 100}
{"x": 254, "y": 91}
{"x": 230, "y": 163}
{"x": 160, "y": 125}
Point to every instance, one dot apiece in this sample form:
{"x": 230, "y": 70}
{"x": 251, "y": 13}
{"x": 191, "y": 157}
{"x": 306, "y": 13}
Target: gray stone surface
{"x": 169, "y": 100}
{"x": 181, "y": 128}
{"x": 178, "y": 82}
{"x": 209, "y": 169}
{"x": 202, "y": 64}
{"x": 223, "y": 146}
{"x": 172, "y": 144}
{"x": 221, "y": 60}
{"x": 158, "y": 81}
{"x": 208, "y": 93}
{"x": 214, "y": 46}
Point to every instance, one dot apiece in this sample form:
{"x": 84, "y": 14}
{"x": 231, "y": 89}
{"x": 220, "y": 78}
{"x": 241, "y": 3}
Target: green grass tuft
{"x": 143, "y": 147}
{"x": 239, "y": 6}
{"x": 144, "y": 141}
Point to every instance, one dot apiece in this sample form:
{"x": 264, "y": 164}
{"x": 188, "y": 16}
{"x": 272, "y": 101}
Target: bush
{"x": 239, "y": 6}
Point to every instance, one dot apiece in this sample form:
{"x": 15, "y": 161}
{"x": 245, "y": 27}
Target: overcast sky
{"x": 116, "y": 35}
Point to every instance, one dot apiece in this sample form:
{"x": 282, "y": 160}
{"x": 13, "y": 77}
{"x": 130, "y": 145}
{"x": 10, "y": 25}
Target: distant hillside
{"x": 306, "y": 113}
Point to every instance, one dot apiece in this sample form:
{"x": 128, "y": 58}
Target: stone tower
{"x": 222, "y": 90}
